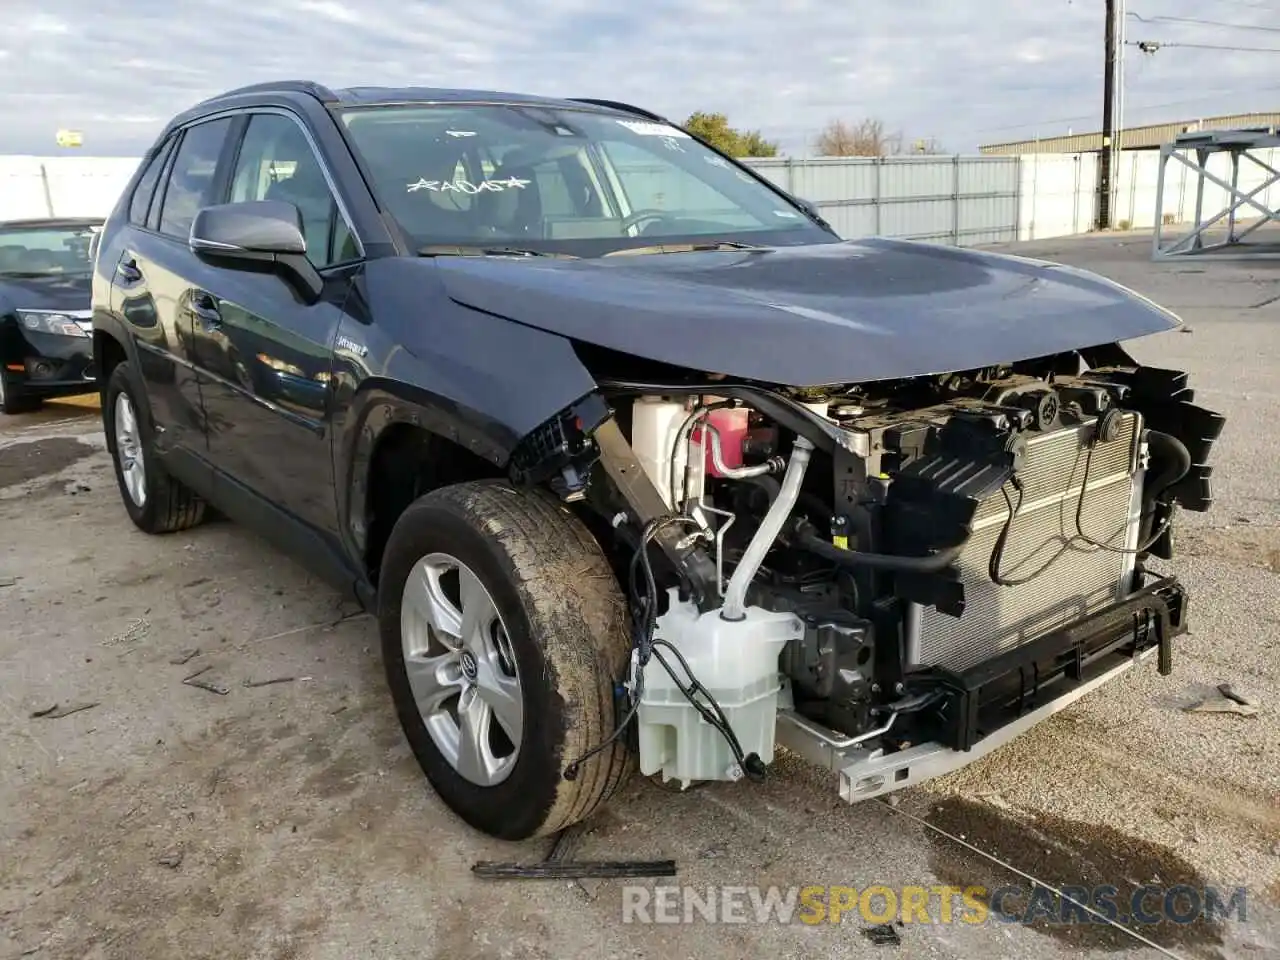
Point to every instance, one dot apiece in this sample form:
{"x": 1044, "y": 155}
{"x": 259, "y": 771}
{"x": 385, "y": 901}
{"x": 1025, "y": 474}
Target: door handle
{"x": 205, "y": 309}
{"x": 127, "y": 269}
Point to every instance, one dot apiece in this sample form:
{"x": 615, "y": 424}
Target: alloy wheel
{"x": 461, "y": 669}
{"x": 129, "y": 451}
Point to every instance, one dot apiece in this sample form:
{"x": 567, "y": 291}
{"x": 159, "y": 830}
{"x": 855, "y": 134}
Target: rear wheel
{"x": 503, "y": 630}
{"x": 155, "y": 501}
{"x": 13, "y": 400}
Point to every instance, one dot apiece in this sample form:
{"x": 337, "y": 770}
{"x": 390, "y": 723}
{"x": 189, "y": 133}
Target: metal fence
{"x": 957, "y": 200}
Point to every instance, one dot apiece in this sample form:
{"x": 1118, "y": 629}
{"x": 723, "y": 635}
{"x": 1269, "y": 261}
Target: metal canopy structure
{"x": 1241, "y": 146}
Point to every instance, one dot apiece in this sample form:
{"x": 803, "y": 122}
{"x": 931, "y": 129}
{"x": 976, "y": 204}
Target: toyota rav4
{"x": 639, "y": 464}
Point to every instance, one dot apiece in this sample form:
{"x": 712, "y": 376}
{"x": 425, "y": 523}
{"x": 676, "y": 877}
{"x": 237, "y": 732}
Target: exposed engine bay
{"x": 873, "y": 574}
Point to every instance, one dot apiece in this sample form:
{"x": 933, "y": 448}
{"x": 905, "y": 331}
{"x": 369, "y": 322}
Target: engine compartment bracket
{"x": 625, "y": 470}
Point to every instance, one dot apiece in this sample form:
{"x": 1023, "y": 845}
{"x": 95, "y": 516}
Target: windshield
{"x": 570, "y": 181}
{"x": 45, "y": 250}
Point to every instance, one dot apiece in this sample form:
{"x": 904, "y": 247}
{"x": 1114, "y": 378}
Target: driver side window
{"x": 276, "y": 163}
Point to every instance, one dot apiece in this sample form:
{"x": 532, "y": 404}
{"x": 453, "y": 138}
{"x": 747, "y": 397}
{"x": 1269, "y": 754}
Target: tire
{"x": 13, "y": 401}
{"x": 563, "y": 618}
{"x": 159, "y": 503}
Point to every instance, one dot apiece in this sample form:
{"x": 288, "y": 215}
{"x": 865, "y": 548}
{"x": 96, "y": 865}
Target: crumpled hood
{"x": 54, "y": 292}
{"x": 852, "y": 311}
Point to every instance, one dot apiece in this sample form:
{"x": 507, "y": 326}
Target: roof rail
{"x": 320, "y": 92}
{"x": 625, "y": 107}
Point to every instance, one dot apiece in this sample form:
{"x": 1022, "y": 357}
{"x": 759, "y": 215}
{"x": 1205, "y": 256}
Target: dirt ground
{"x": 288, "y": 819}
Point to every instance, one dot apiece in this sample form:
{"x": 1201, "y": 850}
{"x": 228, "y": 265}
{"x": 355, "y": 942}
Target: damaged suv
{"x": 640, "y": 465}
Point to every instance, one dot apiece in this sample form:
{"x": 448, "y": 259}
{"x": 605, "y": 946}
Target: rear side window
{"x": 140, "y": 203}
{"x": 191, "y": 177}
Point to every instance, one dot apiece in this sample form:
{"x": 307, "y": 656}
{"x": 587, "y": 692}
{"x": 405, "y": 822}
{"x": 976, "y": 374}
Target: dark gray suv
{"x": 640, "y": 465}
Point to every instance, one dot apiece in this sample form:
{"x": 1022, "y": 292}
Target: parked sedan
{"x": 46, "y": 327}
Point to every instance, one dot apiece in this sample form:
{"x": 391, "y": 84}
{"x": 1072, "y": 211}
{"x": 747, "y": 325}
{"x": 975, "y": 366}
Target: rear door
{"x": 154, "y": 269}
{"x": 264, "y": 356}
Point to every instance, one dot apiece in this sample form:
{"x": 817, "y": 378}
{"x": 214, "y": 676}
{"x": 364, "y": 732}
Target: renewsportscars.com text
{"x": 1151, "y": 904}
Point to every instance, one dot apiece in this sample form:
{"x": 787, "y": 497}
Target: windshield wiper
{"x": 690, "y": 248}
{"x": 460, "y": 250}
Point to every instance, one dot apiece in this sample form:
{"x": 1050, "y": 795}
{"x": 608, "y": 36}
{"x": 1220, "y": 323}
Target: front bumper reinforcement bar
{"x": 999, "y": 700}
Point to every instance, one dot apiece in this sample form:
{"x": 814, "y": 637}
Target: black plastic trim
{"x": 980, "y": 700}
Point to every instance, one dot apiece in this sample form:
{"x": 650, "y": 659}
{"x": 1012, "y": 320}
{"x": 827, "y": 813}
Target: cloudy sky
{"x": 962, "y": 71}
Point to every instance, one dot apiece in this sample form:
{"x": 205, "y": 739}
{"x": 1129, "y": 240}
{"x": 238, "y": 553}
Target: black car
{"x": 46, "y": 348}
{"x": 639, "y": 464}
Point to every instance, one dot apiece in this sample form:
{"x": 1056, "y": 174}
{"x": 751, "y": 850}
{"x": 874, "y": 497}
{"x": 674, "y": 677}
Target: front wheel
{"x": 503, "y": 630}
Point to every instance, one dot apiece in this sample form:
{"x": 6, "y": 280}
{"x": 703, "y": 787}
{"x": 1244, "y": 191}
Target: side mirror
{"x": 257, "y": 235}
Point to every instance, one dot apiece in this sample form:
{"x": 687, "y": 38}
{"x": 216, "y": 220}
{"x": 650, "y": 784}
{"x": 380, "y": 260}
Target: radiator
{"x": 1079, "y": 578}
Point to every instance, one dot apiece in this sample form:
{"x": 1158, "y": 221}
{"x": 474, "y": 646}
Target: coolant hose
{"x": 735, "y": 595}
{"x": 1175, "y": 459}
{"x": 1173, "y": 454}
{"x": 878, "y": 561}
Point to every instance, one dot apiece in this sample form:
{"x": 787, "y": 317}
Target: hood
{"x": 53, "y": 292}
{"x": 807, "y": 315}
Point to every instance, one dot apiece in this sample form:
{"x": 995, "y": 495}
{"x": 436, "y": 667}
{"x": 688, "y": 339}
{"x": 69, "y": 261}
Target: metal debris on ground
{"x": 574, "y": 869}
{"x": 186, "y": 656}
{"x": 557, "y": 865}
{"x": 1230, "y": 702}
{"x": 172, "y": 859}
{"x": 136, "y": 631}
{"x": 194, "y": 681}
{"x": 267, "y": 683}
{"x": 56, "y": 711}
{"x": 1229, "y": 692}
{"x": 1222, "y": 706}
{"x": 883, "y": 935}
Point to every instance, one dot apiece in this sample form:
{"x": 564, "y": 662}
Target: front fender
{"x": 477, "y": 380}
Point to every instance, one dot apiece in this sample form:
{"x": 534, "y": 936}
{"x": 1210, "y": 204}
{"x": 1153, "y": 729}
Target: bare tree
{"x": 867, "y": 138}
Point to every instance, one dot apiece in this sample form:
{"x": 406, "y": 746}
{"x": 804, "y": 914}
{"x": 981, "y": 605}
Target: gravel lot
{"x": 289, "y": 820}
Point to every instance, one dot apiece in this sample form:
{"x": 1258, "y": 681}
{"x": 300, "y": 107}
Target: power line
{"x": 1151, "y": 46}
{"x": 1137, "y": 107}
{"x": 1206, "y": 23}
{"x": 1249, "y": 3}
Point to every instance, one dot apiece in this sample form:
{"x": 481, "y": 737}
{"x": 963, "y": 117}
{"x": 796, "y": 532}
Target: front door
{"x": 264, "y": 356}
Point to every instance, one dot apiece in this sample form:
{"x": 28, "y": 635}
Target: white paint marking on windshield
{"x": 653, "y": 129}
{"x": 466, "y": 186}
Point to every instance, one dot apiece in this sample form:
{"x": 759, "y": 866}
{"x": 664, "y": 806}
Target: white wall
{"x": 1058, "y": 191}
{"x": 62, "y": 186}
{"x": 1057, "y": 195}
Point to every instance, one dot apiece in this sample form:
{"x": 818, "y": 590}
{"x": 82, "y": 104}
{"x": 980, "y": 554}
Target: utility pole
{"x": 1105, "y": 155}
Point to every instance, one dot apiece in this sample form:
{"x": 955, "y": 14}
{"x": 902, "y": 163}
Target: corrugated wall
{"x": 958, "y": 200}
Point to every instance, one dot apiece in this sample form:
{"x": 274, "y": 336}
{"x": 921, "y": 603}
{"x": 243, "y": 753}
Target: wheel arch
{"x": 399, "y": 443}
{"x": 108, "y": 353}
